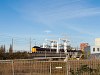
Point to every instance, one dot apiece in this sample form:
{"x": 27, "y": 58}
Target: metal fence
{"x": 31, "y": 67}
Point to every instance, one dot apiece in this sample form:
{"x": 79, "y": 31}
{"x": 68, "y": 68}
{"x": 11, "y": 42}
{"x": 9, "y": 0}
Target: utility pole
{"x": 12, "y": 43}
{"x": 30, "y": 45}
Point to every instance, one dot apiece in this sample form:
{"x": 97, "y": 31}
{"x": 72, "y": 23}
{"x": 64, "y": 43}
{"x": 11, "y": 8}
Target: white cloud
{"x": 54, "y": 16}
{"x": 47, "y": 31}
{"x": 81, "y": 30}
{"x": 60, "y": 13}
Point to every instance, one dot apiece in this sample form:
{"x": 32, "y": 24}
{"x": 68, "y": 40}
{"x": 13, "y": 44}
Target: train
{"x": 37, "y": 49}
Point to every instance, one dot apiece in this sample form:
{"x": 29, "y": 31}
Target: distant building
{"x": 97, "y": 42}
{"x": 83, "y": 46}
{"x": 87, "y": 49}
{"x": 96, "y": 48}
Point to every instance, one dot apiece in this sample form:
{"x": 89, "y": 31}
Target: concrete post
{"x": 13, "y": 67}
{"x": 50, "y": 68}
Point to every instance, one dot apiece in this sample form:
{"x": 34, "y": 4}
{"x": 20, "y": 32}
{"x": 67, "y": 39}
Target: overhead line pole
{"x": 12, "y": 43}
{"x": 30, "y": 45}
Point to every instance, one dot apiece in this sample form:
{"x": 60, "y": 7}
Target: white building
{"x": 96, "y": 48}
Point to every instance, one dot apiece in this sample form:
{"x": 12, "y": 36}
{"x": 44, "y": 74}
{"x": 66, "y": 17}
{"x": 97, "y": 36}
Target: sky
{"x": 77, "y": 20}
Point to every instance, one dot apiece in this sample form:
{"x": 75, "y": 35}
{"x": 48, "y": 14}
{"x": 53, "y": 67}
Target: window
{"x": 93, "y": 49}
{"x": 97, "y": 49}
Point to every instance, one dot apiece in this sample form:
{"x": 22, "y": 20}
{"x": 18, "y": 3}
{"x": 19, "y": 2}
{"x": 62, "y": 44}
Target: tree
{"x": 10, "y": 49}
{"x": 4, "y": 48}
{"x": 10, "y": 55}
{"x": 2, "y": 52}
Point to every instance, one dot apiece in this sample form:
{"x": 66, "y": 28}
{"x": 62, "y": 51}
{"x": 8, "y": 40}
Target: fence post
{"x": 50, "y": 67}
{"x": 13, "y": 67}
{"x": 67, "y": 67}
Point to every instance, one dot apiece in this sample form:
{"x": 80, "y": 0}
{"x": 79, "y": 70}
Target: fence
{"x": 31, "y": 67}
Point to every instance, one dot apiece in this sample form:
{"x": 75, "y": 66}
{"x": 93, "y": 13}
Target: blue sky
{"x": 78, "y": 20}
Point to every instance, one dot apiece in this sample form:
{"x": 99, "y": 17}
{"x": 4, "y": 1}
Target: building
{"x": 97, "y": 42}
{"x": 83, "y": 46}
{"x": 96, "y": 48}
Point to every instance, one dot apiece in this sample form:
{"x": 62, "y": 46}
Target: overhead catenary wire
{"x": 18, "y": 43}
